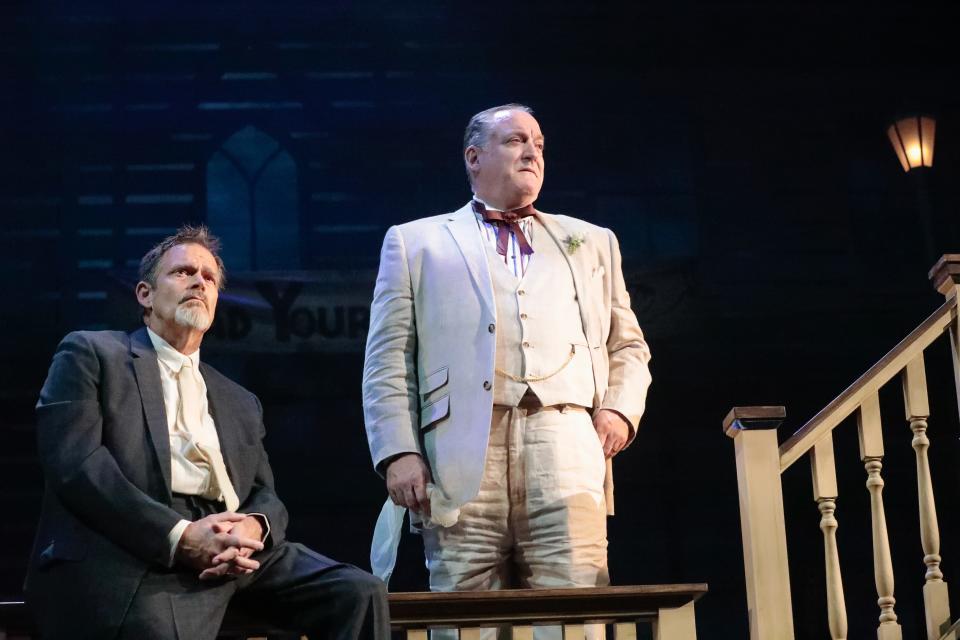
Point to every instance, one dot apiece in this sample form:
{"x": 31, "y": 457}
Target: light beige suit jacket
{"x": 429, "y": 365}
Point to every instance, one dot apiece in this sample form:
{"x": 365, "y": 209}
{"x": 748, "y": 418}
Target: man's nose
{"x": 531, "y": 150}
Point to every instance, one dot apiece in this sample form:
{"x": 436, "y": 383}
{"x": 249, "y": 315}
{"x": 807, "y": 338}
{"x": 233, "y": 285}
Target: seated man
{"x": 159, "y": 505}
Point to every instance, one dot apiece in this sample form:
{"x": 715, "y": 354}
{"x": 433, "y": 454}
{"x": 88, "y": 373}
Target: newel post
{"x": 945, "y": 276}
{"x": 754, "y": 433}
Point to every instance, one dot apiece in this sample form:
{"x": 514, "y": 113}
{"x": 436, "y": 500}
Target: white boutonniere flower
{"x": 573, "y": 242}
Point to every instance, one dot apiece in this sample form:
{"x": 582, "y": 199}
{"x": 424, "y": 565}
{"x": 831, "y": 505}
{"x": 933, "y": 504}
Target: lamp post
{"x": 913, "y": 141}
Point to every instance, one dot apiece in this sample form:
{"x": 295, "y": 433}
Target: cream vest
{"x": 539, "y": 331}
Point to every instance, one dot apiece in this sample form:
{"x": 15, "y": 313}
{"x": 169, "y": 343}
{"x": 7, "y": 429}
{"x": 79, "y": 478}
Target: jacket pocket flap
{"x": 434, "y": 381}
{"x": 435, "y": 411}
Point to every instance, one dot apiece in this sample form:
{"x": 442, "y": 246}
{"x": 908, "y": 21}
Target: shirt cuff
{"x": 264, "y": 524}
{"x": 173, "y": 539}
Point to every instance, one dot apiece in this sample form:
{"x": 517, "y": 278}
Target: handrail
{"x": 950, "y": 634}
{"x": 875, "y": 377}
{"x": 420, "y": 610}
{"x": 417, "y": 610}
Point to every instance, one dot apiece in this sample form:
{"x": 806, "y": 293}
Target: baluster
{"x": 522, "y": 632}
{"x": 676, "y": 623}
{"x": 625, "y": 631}
{"x": 936, "y": 602}
{"x": 573, "y": 632}
{"x": 825, "y": 493}
{"x": 470, "y": 633}
{"x": 871, "y": 453}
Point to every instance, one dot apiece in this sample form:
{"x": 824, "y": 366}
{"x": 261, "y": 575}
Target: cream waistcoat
{"x": 539, "y": 330}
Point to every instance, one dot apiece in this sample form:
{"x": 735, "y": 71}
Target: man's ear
{"x": 144, "y": 294}
{"x": 471, "y": 155}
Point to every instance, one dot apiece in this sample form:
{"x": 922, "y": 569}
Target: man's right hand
{"x": 407, "y": 478}
{"x": 203, "y": 540}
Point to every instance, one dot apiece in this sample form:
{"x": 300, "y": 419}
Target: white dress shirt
{"x": 514, "y": 260}
{"x": 190, "y": 473}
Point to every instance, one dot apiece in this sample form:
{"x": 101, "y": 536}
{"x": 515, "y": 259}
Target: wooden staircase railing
{"x": 669, "y": 608}
{"x": 760, "y": 463}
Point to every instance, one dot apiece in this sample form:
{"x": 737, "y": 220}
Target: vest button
{"x": 526, "y": 344}
{"x": 491, "y": 328}
{"x": 486, "y": 385}
{"x": 521, "y": 292}
{"x": 523, "y": 316}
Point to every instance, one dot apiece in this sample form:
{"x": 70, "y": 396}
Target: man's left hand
{"x": 613, "y": 431}
{"x": 249, "y": 527}
{"x": 235, "y": 561}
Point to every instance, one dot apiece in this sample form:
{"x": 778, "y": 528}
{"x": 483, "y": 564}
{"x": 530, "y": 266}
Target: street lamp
{"x": 912, "y": 139}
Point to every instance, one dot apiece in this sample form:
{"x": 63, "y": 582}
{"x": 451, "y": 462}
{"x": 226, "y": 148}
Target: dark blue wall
{"x": 770, "y": 238}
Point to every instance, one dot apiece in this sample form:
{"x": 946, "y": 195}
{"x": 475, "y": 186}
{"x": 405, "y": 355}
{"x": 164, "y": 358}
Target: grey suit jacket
{"x": 104, "y": 448}
{"x": 429, "y": 366}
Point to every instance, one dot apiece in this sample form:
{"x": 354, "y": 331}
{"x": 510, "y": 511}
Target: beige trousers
{"x": 539, "y": 520}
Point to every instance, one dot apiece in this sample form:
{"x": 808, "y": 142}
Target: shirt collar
{"x": 170, "y": 357}
{"x": 487, "y": 206}
{"x": 524, "y": 222}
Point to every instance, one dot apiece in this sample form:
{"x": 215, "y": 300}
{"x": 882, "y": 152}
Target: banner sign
{"x": 317, "y": 311}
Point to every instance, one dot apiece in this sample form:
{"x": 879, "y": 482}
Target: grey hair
{"x": 478, "y": 129}
{"x": 150, "y": 263}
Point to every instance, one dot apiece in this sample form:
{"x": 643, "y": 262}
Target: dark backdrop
{"x": 771, "y": 240}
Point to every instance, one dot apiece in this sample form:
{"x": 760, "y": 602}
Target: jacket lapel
{"x": 577, "y": 270}
{"x": 462, "y": 225}
{"x": 151, "y": 396}
{"x": 227, "y": 423}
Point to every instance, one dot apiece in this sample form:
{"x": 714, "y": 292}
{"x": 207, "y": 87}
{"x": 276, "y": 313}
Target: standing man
{"x": 503, "y": 365}
{"x": 159, "y": 505}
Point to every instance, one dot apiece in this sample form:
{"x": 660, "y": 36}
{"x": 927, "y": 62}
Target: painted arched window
{"x": 252, "y": 202}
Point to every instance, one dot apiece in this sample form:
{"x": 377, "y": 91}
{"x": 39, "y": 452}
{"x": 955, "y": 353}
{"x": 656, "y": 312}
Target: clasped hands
{"x": 221, "y": 545}
{"x": 408, "y": 476}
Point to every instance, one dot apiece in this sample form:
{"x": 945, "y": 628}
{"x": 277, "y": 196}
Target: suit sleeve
{"x": 263, "y": 499}
{"x": 628, "y": 353}
{"x": 390, "y": 392}
{"x": 81, "y": 470}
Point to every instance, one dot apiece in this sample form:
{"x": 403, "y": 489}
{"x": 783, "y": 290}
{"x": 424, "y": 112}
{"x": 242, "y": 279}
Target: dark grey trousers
{"x": 294, "y": 588}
